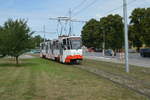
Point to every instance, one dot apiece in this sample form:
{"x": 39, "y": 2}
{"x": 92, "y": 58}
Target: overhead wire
{"x": 79, "y": 5}
{"x": 119, "y": 7}
{"x": 70, "y": 14}
{"x": 92, "y": 3}
{"x": 85, "y": 8}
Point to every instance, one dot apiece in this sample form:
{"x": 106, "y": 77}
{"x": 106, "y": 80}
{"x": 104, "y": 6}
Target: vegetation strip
{"x": 138, "y": 73}
{"x": 132, "y": 84}
{"x": 9, "y": 83}
{"x": 40, "y": 79}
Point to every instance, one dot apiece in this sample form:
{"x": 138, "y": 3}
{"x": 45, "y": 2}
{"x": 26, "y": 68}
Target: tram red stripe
{"x": 68, "y": 58}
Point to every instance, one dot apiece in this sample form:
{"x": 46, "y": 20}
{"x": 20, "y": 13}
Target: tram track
{"x": 131, "y": 83}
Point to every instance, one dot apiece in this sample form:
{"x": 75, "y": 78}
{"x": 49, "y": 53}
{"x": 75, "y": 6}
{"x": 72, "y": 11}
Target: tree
{"x": 146, "y": 27}
{"x": 112, "y": 28}
{"x": 90, "y": 34}
{"x": 37, "y": 40}
{"x": 15, "y": 38}
{"x": 2, "y": 49}
{"x": 108, "y": 29}
{"x": 139, "y": 29}
{"x": 134, "y": 37}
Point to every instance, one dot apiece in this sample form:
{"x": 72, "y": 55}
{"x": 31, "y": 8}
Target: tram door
{"x": 52, "y": 48}
{"x": 47, "y": 48}
{"x": 61, "y": 48}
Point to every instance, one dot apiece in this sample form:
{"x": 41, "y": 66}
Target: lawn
{"x": 139, "y": 73}
{"x": 40, "y": 79}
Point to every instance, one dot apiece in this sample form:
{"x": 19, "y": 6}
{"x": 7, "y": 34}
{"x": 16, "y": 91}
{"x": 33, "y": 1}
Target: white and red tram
{"x": 65, "y": 49}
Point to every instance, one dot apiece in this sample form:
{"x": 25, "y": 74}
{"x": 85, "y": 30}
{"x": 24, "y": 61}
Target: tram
{"x": 65, "y": 49}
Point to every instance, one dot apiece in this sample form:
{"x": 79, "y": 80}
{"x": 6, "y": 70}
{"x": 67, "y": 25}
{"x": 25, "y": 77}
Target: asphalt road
{"x": 134, "y": 58}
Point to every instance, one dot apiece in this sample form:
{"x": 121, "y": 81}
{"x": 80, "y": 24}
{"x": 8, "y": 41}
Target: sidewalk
{"x": 145, "y": 62}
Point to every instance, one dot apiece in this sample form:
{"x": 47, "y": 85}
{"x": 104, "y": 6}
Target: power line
{"x": 86, "y": 7}
{"x": 113, "y": 9}
{"x": 79, "y": 5}
{"x": 120, "y": 7}
{"x": 92, "y": 3}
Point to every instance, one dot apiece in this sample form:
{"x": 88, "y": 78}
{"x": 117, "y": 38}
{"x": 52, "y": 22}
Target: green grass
{"x": 39, "y": 79}
{"x": 139, "y": 73}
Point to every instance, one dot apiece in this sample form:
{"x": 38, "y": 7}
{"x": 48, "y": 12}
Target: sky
{"x": 38, "y": 12}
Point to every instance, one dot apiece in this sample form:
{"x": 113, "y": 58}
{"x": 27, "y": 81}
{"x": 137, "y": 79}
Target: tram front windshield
{"x": 76, "y": 43}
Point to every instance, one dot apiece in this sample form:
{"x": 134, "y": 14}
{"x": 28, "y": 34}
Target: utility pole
{"x": 103, "y": 42}
{"x": 70, "y": 26}
{"x": 126, "y": 35}
{"x": 44, "y": 33}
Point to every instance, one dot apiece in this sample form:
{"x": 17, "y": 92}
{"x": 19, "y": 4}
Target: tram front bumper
{"x": 74, "y": 57}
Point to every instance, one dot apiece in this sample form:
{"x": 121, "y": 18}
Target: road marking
{"x": 103, "y": 57}
{"x": 97, "y": 57}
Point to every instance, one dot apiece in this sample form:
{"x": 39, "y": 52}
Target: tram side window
{"x": 57, "y": 45}
{"x": 64, "y": 45}
{"x": 64, "y": 41}
{"x": 54, "y": 45}
{"x": 46, "y": 48}
{"x": 68, "y": 44}
{"x": 50, "y": 45}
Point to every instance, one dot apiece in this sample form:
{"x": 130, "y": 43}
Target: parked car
{"x": 34, "y": 51}
{"x": 91, "y": 49}
{"x": 145, "y": 52}
{"x": 98, "y": 50}
{"x": 108, "y": 52}
{"x": 132, "y": 51}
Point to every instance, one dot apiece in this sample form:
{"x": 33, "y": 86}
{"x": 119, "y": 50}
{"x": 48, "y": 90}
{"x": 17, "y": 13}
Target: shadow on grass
{"x": 17, "y": 65}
